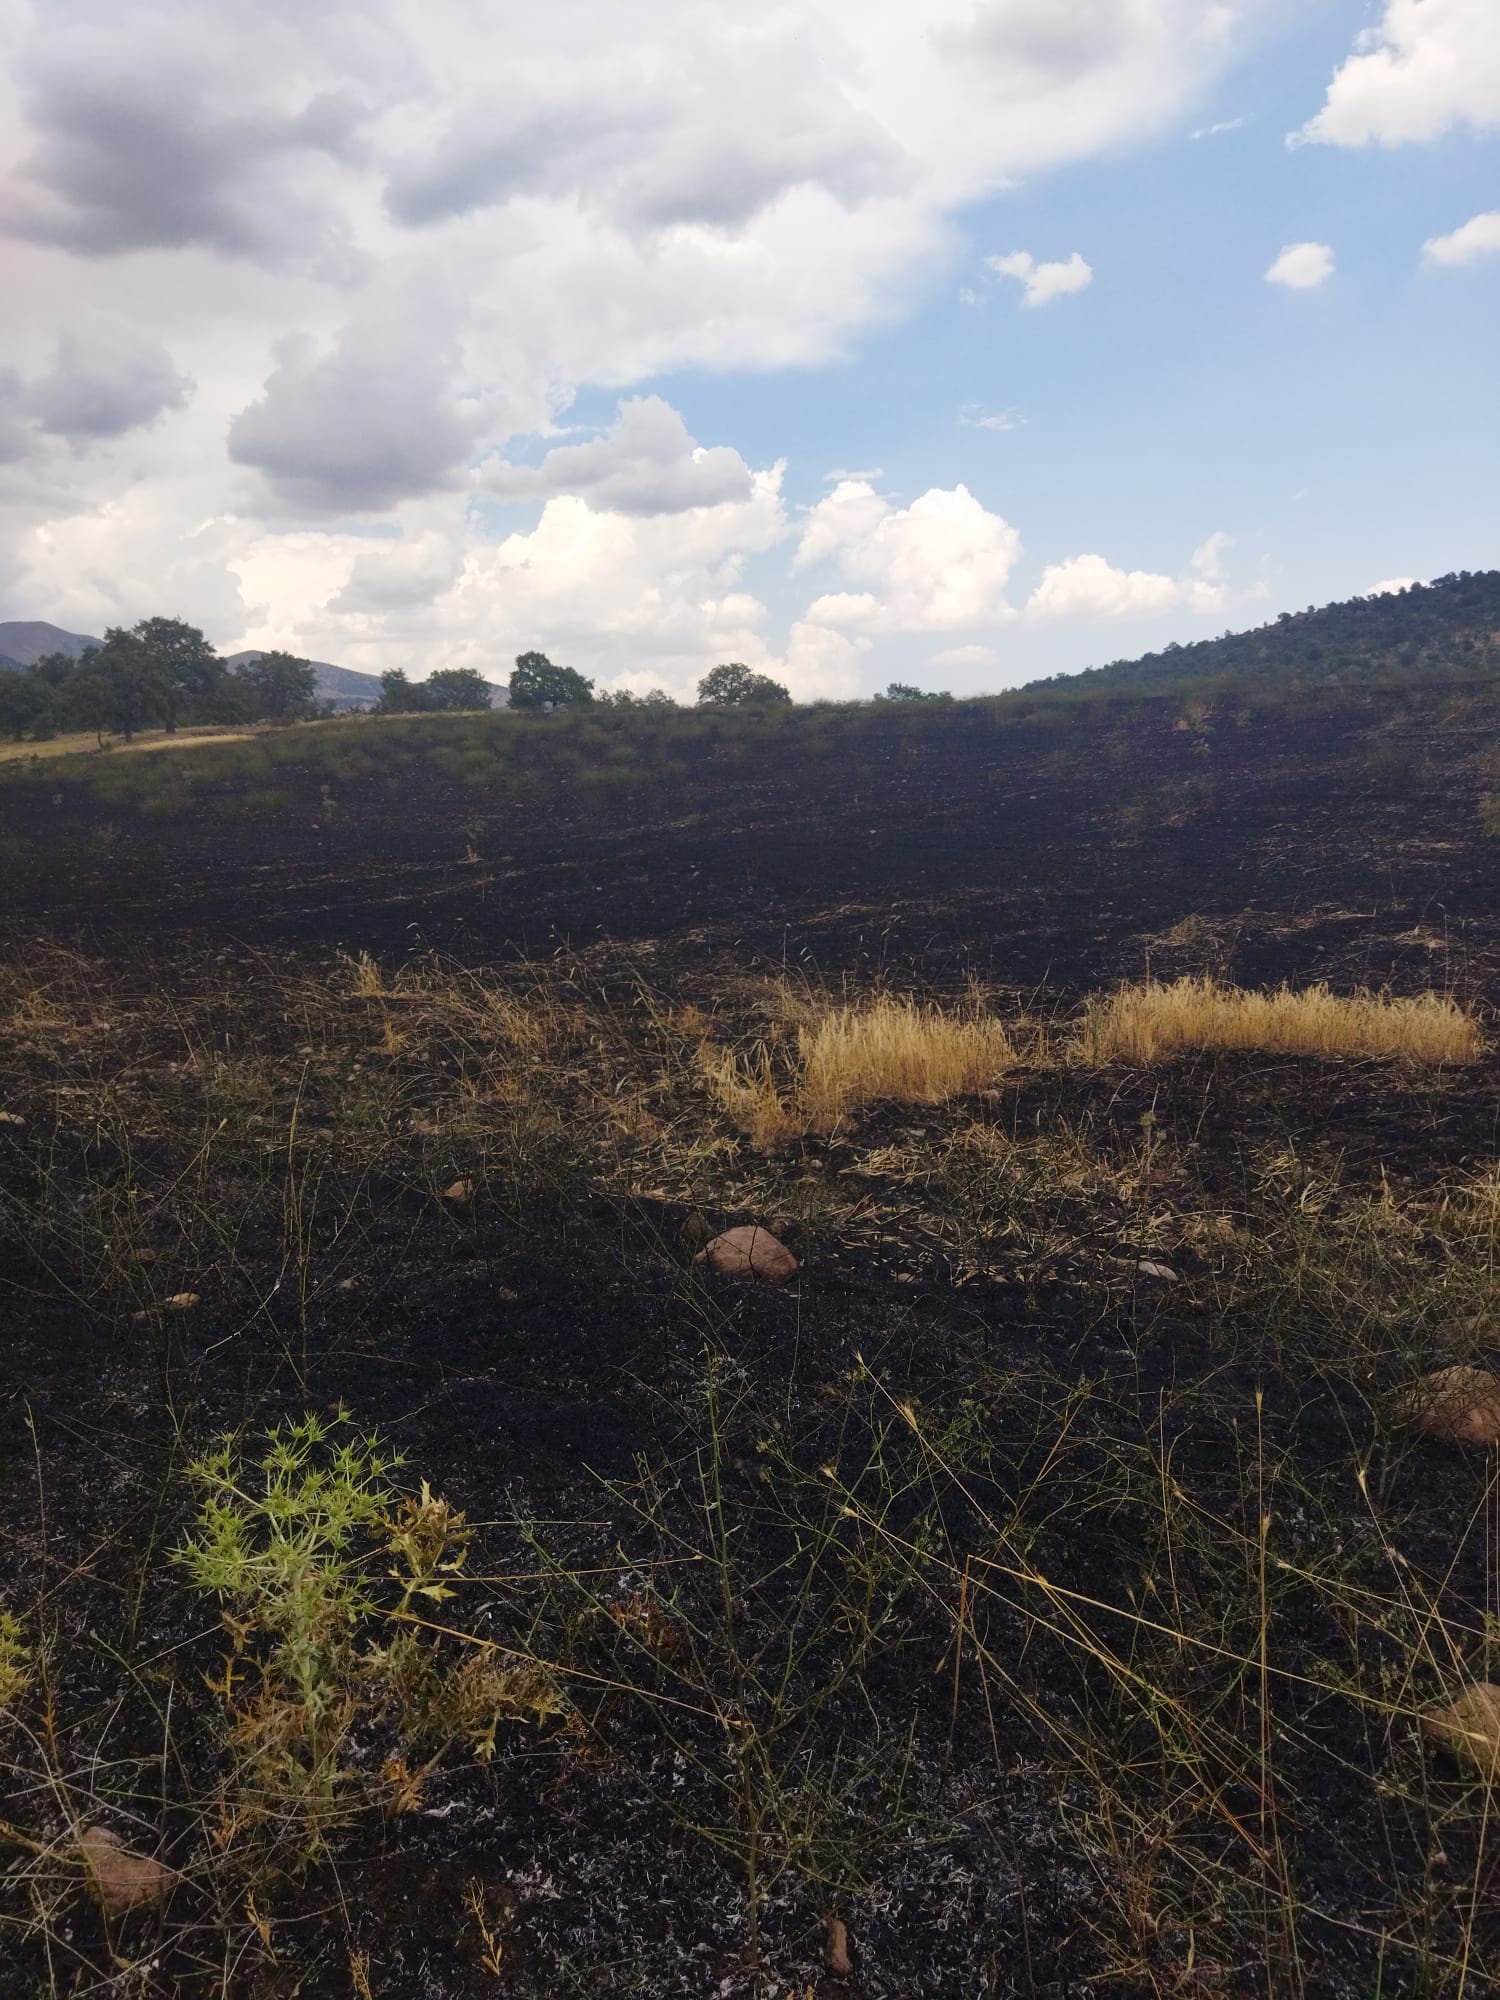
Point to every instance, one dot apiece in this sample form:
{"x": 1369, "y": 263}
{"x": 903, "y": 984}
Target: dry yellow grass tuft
{"x": 897, "y": 1051}
{"x": 893, "y": 1051}
{"x": 1142, "y": 1024}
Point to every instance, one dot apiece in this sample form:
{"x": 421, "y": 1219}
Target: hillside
{"x": 1447, "y": 628}
{"x": 24, "y": 640}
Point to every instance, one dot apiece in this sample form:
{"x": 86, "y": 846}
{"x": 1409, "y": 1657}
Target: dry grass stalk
{"x": 749, "y": 1093}
{"x": 893, "y": 1051}
{"x": 1146, "y": 1023}
{"x": 897, "y": 1051}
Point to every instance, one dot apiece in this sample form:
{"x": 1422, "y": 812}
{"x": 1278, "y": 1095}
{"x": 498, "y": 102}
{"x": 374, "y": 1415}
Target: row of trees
{"x": 158, "y": 674}
{"x": 162, "y": 673}
{"x": 537, "y": 684}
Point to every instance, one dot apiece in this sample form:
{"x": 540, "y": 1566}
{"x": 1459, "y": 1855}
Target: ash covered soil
{"x": 978, "y": 1614}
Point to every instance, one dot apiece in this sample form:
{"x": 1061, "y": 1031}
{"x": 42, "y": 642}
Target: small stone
{"x": 347, "y": 1284}
{"x": 836, "y": 1951}
{"x": 749, "y": 1252}
{"x": 460, "y": 1191}
{"x": 11, "y": 1118}
{"x": 1156, "y": 1274}
{"x": 506, "y": 1296}
{"x": 1469, "y": 1727}
{"x": 1461, "y": 1405}
{"x": 180, "y": 1302}
{"x": 121, "y": 1879}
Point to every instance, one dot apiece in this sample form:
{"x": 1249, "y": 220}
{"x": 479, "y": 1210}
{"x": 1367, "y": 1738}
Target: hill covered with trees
{"x": 1447, "y": 629}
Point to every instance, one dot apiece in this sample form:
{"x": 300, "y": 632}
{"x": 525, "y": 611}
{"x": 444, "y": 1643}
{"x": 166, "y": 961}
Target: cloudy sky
{"x": 962, "y": 342}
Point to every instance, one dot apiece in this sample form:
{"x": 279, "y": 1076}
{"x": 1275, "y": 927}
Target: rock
{"x": 11, "y": 1118}
{"x": 121, "y": 1879}
{"x": 347, "y": 1285}
{"x": 836, "y": 1951}
{"x": 1156, "y": 1274}
{"x": 459, "y": 1192}
{"x": 1469, "y": 1727}
{"x": 506, "y": 1296}
{"x": 749, "y": 1252}
{"x": 179, "y": 1302}
{"x": 1460, "y": 1405}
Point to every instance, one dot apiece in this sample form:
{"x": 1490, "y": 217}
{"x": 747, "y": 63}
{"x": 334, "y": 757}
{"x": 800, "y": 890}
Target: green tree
{"x": 23, "y": 702}
{"x": 907, "y": 691}
{"x": 536, "y": 683}
{"x": 449, "y": 689}
{"x": 456, "y": 688}
{"x": 278, "y": 687}
{"x": 55, "y": 670}
{"x": 624, "y": 698}
{"x": 188, "y": 671}
{"x": 120, "y": 685}
{"x": 398, "y": 695}
{"x": 734, "y": 685}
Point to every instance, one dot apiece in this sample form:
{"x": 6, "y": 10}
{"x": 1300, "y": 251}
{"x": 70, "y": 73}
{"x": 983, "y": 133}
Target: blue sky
{"x": 652, "y": 336}
{"x": 1342, "y": 436}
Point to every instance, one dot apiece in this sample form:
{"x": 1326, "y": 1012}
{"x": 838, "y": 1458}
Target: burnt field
{"x": 1055, "y": 1584}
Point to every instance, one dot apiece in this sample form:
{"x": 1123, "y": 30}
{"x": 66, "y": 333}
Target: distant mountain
{"x": 341, "y": 687}
{"x": 23, "y": 640}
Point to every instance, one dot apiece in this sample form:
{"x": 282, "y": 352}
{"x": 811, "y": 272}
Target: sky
{"x": 961, "y": 344}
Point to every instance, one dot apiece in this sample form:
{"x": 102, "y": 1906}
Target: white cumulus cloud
{"x": 1041, "y": 283}
{"x": 1478, "y": 237}
{"x": 1301, "y": 267}
{"x": 1090, "y": 587}
{"x": 365, "y": 247}
{"x": 647, "y": 463}
{"x": 939, "y": 565}
{"x": 1427, "y": 66}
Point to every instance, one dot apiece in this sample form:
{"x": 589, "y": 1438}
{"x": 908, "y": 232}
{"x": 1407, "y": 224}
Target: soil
{"x": 526, "y": 1355}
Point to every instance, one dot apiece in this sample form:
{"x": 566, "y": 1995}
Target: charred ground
{"x": 1051, "y": 1627}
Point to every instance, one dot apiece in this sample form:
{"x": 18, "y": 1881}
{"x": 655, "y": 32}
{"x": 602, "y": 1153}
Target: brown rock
{"x": 179, "y": 1302}
{"x": 749, "y": 1252}
{"x": 460, "y": 1191}
{"x": 119, "y": 1878}
{"x": 1469, "y": 1727}
{"x": 836, "y": 1951}
{"x": 1460, "y": 1405}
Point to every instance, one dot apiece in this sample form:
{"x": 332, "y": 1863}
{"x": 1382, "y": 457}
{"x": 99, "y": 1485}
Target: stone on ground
{"x": 749, "y": 1252}
{"x": 1469, "y": 1727}
{"x": 1460, "y": 1404}
{"x": 121, "y": 1879}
